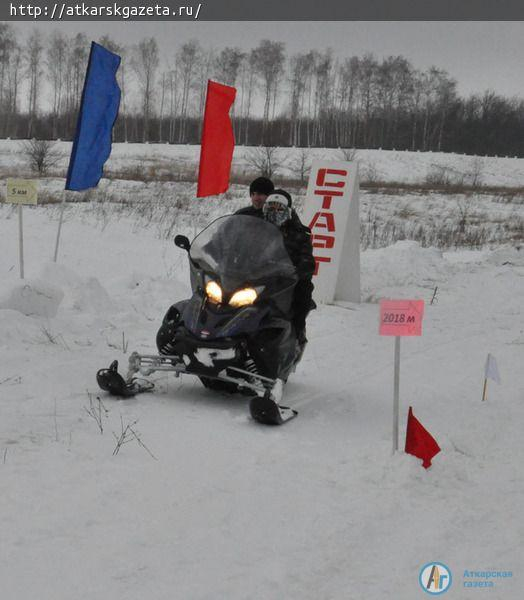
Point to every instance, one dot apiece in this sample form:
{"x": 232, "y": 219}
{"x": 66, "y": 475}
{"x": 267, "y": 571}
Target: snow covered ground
{"x": 376, "y": 165}
{"x": 215, "y": 506}
{"x": 153, "y": 184}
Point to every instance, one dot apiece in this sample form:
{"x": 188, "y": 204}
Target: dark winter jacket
{"x": 297, "y": 239}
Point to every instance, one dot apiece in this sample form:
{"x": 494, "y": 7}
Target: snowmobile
{"x": 235, "y": 332}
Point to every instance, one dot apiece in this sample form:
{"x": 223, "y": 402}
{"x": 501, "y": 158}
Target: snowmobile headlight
{"x": 214, "y": 291}
{"x": 243, "y": 297}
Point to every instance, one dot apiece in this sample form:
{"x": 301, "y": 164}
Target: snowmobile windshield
{"x": 241, "y": 250}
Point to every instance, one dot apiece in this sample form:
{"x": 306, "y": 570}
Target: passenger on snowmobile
{"x": 239, "y": 316}
{"x": 297, "y": 239}
{"x": 259, "y": 190}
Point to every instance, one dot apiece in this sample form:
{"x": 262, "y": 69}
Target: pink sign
{"x": 401, "y": 317}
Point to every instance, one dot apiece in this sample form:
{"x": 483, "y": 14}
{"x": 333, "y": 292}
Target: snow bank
{"x": 507, "y": 255}
{"x": 404, "y": 264}
{"x": 57, "y": 286}
{"x": 16, "y": 327}
{"x": 82, "y": 294}
{"x": 33, "y": 298}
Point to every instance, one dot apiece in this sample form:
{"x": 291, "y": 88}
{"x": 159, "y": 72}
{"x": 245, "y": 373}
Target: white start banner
{"x": 331, "y": 211}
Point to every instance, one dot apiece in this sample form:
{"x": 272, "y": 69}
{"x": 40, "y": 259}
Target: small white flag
{"x": 491, "y": 370}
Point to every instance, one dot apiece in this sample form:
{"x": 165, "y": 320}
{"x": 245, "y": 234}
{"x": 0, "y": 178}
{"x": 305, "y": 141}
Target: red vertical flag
{"x": 218, "y": 142}
{"x": 419, "y": 441}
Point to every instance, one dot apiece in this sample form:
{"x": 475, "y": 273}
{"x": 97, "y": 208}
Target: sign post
{"x": 399, "y": 318}
{"x": 21, "y": 241}
{"x": 396, "y": 393}
{"x": 21, "y": 191}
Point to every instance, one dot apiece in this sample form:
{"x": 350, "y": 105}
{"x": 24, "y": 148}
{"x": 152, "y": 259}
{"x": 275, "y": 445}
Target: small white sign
{"x": 21, "y": 191}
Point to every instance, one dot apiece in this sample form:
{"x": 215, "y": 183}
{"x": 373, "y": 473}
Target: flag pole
{"x": 59, "y": 227}
{"x": 484, "y": 391}
{"x": 21, "y": 241}
{"x": 396, "y": 388}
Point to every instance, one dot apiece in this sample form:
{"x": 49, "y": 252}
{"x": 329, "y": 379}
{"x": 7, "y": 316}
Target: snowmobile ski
{"x": 263, "y": 408}
{"x": 266, "y": 411}
{"x": 111, "y": 381}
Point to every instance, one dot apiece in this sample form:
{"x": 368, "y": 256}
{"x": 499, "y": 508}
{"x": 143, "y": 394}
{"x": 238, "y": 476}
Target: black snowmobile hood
{"x": 242, "y": 250}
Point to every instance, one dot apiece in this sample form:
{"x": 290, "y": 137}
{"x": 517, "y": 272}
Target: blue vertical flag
{"x": 98, "y": 112}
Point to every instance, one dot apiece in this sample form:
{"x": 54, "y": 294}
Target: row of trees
{"x": 308, "y": 99}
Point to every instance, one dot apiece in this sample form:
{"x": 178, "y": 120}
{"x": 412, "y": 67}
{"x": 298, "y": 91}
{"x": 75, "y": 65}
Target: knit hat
{"x": 280, "y": 196}
{"x": 261, "y": 185}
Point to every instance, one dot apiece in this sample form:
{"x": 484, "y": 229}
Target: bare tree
{"x": 266, "y": 160}
{"x": 475, "y": 175}
{"x": 429, "y": 90}
{"x": 346, "y": 96}
{"x": 368, "y": 72}
{"x": 348, "y": 154}
{"x": 301, "y": 165}
{"x": 248, "y": 79}
{"x": 187, "y": 58}
{"x": 56, "y": 59}
{"x": 14, "y": 77}
{"x": 33, "y": 57}
{"x": 414, "y": 103}
{"x": 404, "y": 89}
{"x": 385, "y": 90}
{"x": 464, "y": 206}
{"x": 174, "y": 102}
{"x": 446, "y": 95}
{"x": 145, "y": 63}
{"x": 323, "y": 96}
{"x": 269, "y": 61}
{"x": 205, "y": 66}
{"x": 163, "y": 86}
{"x": 300, "y": 73}
{"x": 227, "y": 65}
{"x": 77, "y": 56}
{"x": 7, "y": 41}
{"x": 41, "y": 155}
{"x": 10, "y": 64}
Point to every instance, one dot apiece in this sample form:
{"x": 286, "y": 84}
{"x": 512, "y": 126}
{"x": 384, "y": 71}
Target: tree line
{"x": 307, "y": 99}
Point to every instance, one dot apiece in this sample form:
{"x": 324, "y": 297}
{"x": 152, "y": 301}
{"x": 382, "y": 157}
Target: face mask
{"x": 276, "y": 213}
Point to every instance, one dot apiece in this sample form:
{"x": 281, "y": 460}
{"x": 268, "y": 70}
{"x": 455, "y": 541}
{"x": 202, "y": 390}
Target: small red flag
{"x": 218, "y": 142}
{"x": 419, "y": 441}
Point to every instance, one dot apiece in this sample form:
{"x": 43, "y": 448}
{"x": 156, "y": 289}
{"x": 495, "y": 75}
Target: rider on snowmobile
{"x": 236, "y": 332}
{"x": 278, "y": 210}
{"x": 259, "y": 190}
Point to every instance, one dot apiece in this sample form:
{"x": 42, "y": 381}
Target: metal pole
{"x": 396, "y": 388}
{"x": 59, "y": 226}
{"x": 21, "y": 241}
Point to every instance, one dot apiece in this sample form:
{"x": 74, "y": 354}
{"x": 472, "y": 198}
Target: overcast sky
{"x": 479, "y": 55}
